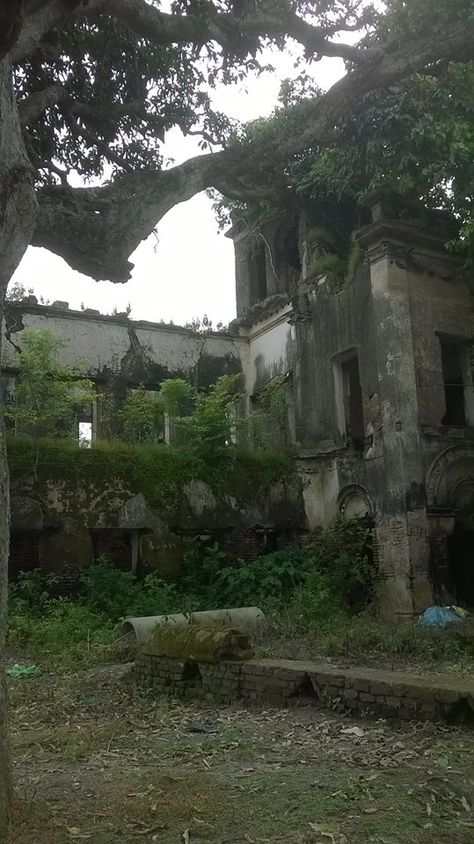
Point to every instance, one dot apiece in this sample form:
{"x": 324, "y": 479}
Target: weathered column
{"x": 401, "y": 522}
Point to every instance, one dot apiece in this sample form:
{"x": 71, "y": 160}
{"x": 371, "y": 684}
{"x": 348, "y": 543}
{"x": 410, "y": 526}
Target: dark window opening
{"x": 113, "y": 546}
{"x": 352, "y": 398}
{"x": 24, "y": 552}
{"x": 258, "y": 275}
{"x": 451, "y": 358}
{"x": 291, "y": 250}
{"x": 461, "y": 566}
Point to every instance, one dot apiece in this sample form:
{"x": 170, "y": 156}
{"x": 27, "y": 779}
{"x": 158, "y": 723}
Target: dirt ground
{"x": 96, "y": 760}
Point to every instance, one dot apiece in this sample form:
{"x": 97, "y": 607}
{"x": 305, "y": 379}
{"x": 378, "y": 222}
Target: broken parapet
{"x": 142, "y": 628}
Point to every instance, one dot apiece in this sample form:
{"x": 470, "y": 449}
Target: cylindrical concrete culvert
{"x": 140, "y": 629}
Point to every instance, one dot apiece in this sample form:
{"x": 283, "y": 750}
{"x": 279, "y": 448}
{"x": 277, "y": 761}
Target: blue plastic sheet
{"x": 441, "y": 616}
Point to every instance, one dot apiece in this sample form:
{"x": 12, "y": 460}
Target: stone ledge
{"x": 283, "y": 682}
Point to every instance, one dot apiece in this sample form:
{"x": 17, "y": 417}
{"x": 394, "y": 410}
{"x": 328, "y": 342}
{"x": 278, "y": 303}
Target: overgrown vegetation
{"x": 50, "y": 397}
{"x": 328, "y": 577}
{"x": 159, "y": 472}
{"x": 49, "y": 394}
{"x": 205, "y": 429}
{"x": 318, "y": 598}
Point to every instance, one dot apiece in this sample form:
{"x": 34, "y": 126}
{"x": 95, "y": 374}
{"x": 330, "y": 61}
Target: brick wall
{"x": 286, "y": 682}
{"x": 24, "y": 552}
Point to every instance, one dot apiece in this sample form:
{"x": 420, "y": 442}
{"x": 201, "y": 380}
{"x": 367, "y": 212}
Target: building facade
{"x": 377, "y": 370}
{"x": 383, "y": 398}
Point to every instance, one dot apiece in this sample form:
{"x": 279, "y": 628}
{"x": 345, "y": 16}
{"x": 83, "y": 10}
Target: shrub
{"x": 118, "y": 593}
{"x": 265, "y": 582}
{"x": 66, "y": 631}
{"x": 83, "y": 629}
{"x": 30, "y": 594}
{"x": 313, "y": 585}
{"x": 198, "y": 582}
{"x": 342, "y": 553}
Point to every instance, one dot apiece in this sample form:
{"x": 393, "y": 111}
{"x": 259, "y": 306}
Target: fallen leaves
{"x": 76, "y": 833}
{"x": 353, "y": 731}
{"x": 329, "y": 833}
{"x": 271, "y": 769}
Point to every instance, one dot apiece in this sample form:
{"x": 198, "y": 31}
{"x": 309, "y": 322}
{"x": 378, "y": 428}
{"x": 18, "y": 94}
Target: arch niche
{"x": 450, "y": 501}
{"x": 450, "y": 480}
{"x": 354, "y": 502}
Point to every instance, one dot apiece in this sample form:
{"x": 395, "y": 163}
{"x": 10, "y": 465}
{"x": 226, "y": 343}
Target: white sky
{"x": 190, "y": 270}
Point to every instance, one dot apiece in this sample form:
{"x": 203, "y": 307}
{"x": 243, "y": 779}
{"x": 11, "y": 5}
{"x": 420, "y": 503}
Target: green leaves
{"x": 141, "y": 417}
{"x": 49, "y": 395}
{"x": 415, "y": 140}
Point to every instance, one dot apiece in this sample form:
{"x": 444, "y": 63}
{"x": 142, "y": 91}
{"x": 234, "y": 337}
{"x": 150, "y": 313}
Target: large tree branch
{"x": 11, "y": 22}
{"x": 228, "y": 29}
{"x": 96, "y": 229}
{"x": 97, "y": 232}
{"x": 455, "y": 44}
{"x": 38, "y": 18}
{"x": 33, "y": 106}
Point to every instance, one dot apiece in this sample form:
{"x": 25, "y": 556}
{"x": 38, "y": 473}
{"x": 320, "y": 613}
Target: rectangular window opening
{"x": 454, "y": 384}
{"x": 85, "y": 434}
{"x": 349, "y": 400}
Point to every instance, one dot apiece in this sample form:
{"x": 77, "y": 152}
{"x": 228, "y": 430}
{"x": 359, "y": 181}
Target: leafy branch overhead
{"x": 99, "y": 83}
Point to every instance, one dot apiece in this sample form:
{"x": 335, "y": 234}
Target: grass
{"x": 365, "y": 639}
{"x": 71, "y": 635}
{"x": 122, "y": 768}
{"x": 306, "y": 622}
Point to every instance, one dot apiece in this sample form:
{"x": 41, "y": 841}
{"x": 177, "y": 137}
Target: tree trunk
{"x": 18, "y": 211}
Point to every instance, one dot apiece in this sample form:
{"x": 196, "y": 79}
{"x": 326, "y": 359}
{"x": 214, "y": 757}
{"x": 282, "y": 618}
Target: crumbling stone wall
{"x": 286, "y": 683}
{"x": 79, "y": 501}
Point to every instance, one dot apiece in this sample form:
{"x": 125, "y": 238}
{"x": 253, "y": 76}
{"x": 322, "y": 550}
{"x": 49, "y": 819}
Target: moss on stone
{"x": 159, "y": 472}
{"x": 200, "y": 644}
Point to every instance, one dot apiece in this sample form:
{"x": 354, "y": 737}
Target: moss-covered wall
{"x": 78, "y": 499}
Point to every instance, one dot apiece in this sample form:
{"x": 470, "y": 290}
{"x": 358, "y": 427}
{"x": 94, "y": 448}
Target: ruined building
{"x": 378, "y": 368}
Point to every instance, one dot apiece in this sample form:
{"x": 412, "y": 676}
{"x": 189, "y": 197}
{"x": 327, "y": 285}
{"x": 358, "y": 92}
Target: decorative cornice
{"x": 392, "y": 234}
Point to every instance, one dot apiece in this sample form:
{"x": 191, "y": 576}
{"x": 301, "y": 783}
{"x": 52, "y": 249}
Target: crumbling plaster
{"x": 404, "y": 297}
{"x": 98, "y": 344}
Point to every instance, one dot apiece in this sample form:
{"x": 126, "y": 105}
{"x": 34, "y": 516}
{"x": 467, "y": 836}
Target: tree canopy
{"x": 99, "y": 83}
{"x": 414, "y": 142}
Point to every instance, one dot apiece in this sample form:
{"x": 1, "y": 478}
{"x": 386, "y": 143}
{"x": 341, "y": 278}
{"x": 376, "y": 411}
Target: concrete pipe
{"x": 141, "y": 629}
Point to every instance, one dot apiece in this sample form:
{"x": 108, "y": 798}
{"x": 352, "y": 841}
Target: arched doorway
{"x": 450, "y": 489}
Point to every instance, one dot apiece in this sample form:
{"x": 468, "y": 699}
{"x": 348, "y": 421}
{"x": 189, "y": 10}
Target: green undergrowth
{"x": 318, "y": 597}
{"x": 157, "y": 471}
{"x": 365, "y": 639}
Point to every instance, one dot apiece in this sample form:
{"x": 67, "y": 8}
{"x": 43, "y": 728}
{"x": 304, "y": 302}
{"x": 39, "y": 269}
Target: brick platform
{"x": 284, "y": 683}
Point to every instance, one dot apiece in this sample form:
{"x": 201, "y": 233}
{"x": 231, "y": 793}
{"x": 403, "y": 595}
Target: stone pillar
{"x": 401, "y": 523}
